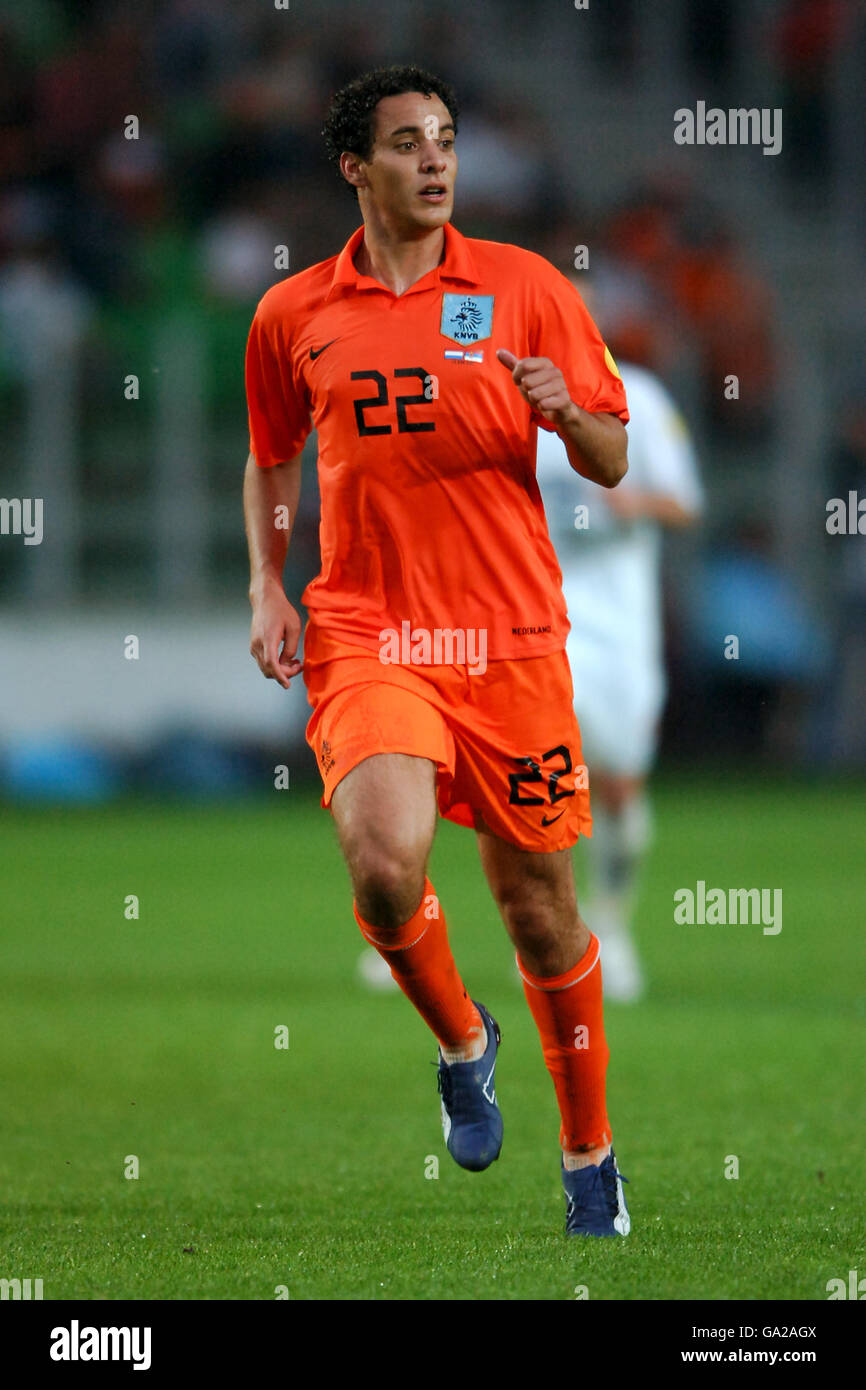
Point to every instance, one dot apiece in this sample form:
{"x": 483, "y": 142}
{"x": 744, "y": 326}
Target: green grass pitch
{"x": 305, "y": 1167}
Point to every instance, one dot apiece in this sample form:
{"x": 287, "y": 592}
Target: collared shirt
{"x": 431, "y": 514}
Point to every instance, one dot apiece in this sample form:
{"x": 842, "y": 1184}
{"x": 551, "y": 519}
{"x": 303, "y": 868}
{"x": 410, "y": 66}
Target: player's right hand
{"x": 274, "y": 636}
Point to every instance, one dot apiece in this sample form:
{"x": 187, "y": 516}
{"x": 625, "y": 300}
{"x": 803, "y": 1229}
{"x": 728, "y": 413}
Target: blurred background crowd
{"x": 130, "y": 270}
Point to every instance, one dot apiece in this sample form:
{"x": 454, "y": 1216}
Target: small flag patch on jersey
{"x": 454, "y": 356}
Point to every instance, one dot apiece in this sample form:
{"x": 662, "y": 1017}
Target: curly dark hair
{"x": 349, "y": 122}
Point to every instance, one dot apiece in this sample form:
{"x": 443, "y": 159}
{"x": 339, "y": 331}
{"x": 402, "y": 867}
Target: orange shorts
{"x": 505, "y": 742}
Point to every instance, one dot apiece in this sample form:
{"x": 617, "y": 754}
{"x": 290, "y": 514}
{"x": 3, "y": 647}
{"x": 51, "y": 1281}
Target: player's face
{"x": 412, "y": 166}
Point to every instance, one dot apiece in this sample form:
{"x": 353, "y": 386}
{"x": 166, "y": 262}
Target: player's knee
{"x": 619, "y": 793}
{"x": 538, "y": 917}
{"x": 548, "y": 950}
{"x": 528, "y": 922}
{"x": 388, "y": 884}
{"x": 529, "y": 898}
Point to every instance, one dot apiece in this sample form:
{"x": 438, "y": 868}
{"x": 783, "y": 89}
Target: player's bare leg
{"x": 385, "y": 814}
{"x": 385, "y": 810}
{"x": 537, "y": 899}
{"x": 379, "y": 853}
{"x": 616, "y": 791}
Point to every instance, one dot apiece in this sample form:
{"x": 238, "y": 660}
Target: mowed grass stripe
{"x": 306, "y": 1167}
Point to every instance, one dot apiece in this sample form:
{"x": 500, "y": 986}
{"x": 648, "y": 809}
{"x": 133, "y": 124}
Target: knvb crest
{"x": 467, "y": 318}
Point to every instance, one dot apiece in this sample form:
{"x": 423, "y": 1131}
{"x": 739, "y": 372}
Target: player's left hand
{"x": 541, "y": 384}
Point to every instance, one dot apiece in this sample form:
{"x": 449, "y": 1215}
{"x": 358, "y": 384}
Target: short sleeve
{"x": 563, "y": 330}
{"x": 279, "y": 414}
{"x": 671, "y": 465}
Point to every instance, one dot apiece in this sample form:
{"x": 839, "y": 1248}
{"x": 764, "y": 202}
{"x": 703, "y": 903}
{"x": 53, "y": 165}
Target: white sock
{"x": 572, "y": 1160}
{"x": 469, "y": 1051}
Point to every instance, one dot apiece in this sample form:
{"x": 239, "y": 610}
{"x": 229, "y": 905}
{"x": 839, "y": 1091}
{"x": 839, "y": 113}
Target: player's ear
{"x": 350, "y": 168}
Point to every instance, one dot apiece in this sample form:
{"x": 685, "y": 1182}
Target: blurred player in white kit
{"x": 608, "y": 544}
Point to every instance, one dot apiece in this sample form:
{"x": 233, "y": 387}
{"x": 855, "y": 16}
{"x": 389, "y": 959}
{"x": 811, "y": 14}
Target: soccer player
{"x": 609, "y": 547}
{"x": 434, "y": 652}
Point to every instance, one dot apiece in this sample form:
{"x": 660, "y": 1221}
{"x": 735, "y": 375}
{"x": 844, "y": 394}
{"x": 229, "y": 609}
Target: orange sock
{"x": 568, "y": 1013}
{"x": 421, "y": 962}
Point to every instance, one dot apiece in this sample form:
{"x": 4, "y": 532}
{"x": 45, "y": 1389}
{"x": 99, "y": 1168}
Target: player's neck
{"x": 395, "y": 260}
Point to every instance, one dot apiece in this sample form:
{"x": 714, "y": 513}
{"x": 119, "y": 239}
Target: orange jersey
{"x": 431, "y": 514}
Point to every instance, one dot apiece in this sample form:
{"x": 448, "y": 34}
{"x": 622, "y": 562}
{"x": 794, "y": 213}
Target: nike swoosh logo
{"x": 316, "y": 352}
{"x": 548, "y": 820}
{"x": 484, "y": 1091}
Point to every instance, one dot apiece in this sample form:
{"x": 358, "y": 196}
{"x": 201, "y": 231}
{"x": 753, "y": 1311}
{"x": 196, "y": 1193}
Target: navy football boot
{"x": 471, "y": 1121}
{"x": 595, "y": 1201}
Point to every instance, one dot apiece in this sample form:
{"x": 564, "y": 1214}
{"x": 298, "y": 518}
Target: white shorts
{"x": 619, "y": 695}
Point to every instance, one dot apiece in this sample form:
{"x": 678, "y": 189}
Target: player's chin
{"x": 433, "y": 214}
